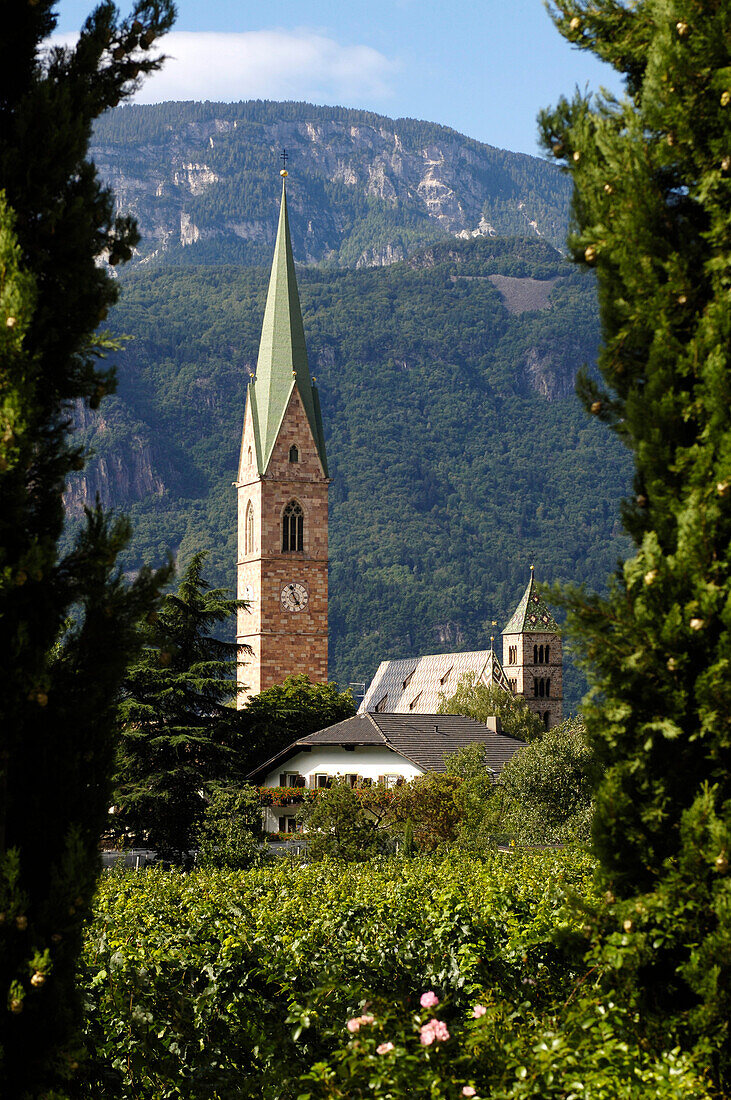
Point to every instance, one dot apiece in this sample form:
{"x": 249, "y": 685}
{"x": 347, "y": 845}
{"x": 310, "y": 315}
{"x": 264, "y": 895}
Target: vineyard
{"x": 427, "y": 977}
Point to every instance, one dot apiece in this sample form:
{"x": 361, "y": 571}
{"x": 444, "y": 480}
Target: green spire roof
{"x": 282, "y": 362}
{"x": 532, "y": 615}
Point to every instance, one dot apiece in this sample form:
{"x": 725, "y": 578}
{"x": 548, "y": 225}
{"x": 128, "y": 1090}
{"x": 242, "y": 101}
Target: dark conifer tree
{"x": 652, "y": 218}
{"x": 179, "y": 728}
{"x": 60, "y": 674}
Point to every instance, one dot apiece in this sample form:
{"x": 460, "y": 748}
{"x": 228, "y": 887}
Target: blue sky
{"x": 485, "y": 69}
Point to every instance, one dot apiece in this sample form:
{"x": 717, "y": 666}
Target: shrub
{"x": 338, "y": 827}
{"x": 228, "y": 837}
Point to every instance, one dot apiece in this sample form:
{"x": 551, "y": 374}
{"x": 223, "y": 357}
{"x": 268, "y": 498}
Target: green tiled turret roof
{"x": 532, "y": 615}
{"x": 282, "y": 362}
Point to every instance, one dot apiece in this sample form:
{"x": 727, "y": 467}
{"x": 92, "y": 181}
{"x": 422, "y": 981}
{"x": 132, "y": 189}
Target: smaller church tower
{"x": 282, "y": 490}
{"x": 532, "y": 656}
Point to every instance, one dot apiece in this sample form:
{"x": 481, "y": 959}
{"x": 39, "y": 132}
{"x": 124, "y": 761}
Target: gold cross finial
{"x": 532, "y": 568}
{"x": 284, "y": 157}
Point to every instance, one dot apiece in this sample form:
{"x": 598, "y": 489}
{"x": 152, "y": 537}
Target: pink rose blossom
{"x": 356, "y": 1023}
{"x": 429, "y": 1000}
{"x": 478, "y": 1010}
{"x": 384, "y": 1048}
{"x": 469, "y": 1091}
{"x": 433, "y": 1031}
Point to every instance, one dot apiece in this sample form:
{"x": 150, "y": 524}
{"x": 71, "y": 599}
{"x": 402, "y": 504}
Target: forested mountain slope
{"x": 459, "y": 452}
{"x": 364, "y": 189}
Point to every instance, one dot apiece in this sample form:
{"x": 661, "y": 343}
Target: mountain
{"x": 458, "y": 451}
{"x": 444, "y": 329}
{"x": 365, "y": 190}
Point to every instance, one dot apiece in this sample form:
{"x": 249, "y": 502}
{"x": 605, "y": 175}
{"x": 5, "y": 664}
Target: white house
{"x": 376, "y": 748}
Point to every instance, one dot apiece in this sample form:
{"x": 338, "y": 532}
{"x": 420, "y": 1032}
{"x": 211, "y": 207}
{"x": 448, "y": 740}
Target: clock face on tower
{"x": 294, "y": 596}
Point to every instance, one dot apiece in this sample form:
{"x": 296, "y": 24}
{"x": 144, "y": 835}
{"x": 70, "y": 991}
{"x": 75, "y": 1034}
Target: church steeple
{"x": 282, "y": 491}
{"x": 282, "y": 362}
{"x": 533, "y": 657}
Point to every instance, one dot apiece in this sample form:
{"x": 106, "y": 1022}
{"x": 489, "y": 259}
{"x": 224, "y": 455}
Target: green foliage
{"x": 439, "y": 436}
{"x": 430, "y": 804}
{"x": 285, "y": 712}
{"x": 474, "y": 793}
{"x": 652, "y": 193}
{"x": 227, "y": 838}
{"x": 338, "y": 827}
{"x": 242, "y": 985}
{"x": 179, "y": 731}
{"x": 545, "y": 791}
{"x": 68, "y": 620}
{"x": 483, "y": 701}
{"x": 233, "y": 985}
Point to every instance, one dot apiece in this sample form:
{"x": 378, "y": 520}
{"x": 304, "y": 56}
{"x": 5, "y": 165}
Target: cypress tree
{"x": 179, "y": 729}
{"x": 68, "y": 622}
{"x": 652, "y": 218}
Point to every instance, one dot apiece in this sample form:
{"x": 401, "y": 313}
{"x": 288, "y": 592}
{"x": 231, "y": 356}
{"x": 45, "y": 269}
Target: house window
{"x": 381, "y": 705}
{"x": 414, "y": 701}
{"x": 389, "y": 780}
{"x": 321, "y": 780}
{"x": 351, "y": 779}
{"x": 291, "y": 779}
{"x": 294, "y": 455}
{"x": 293, "y": 525}
{"x": 249, "y": 529}
{"x": 288, "y": 824}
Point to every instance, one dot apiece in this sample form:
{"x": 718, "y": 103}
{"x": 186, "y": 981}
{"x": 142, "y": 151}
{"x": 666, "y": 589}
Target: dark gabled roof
{"x": 425, "y": 738}
{"x": 422, "y": 739}
{"x": 353, "y": 731}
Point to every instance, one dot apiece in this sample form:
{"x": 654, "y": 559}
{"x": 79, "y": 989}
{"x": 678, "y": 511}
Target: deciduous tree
{"x": 483, "y": 701}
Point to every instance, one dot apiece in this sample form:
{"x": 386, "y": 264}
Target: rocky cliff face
{"x": 365, "y": 190}
{"x": 124, "y": 466}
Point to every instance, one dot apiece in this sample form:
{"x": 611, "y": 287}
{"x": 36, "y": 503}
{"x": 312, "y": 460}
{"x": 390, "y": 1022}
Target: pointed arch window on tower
{"x": 294, "y": 455}
{"x": 548, "y": 654}
{"x": 293, "y": 527}
{"x": 249, "y": 529}
{"x": 249, "y": 457}
{"x": 548, "y": 687}
{"x": 535, "y": 654}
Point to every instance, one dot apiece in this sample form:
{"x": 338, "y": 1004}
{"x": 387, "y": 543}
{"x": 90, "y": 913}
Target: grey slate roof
{"x": 422, "y": 739}
{"x": 413, "y": 685}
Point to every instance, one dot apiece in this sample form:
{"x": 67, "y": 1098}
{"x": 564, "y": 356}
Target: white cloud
{"x": 271, "y": 64}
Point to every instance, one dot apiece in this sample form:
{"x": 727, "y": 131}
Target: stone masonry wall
{"x": 284, "y": 642}
{"x": 525, "y": 670}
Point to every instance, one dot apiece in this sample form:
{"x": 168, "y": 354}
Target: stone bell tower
{"x": 533, "y": 658}
{"x": 282, "y": 489}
